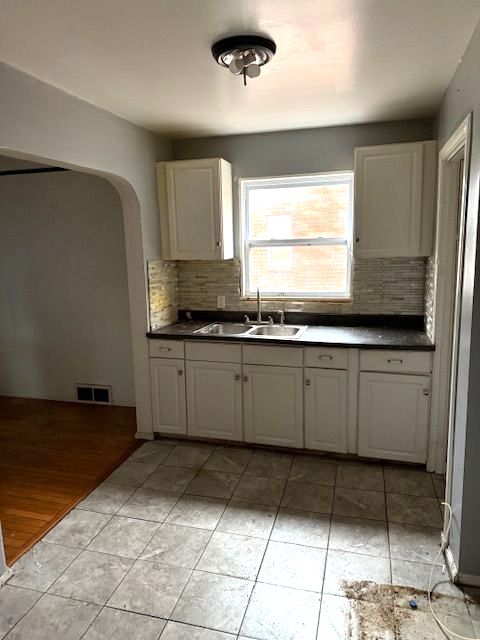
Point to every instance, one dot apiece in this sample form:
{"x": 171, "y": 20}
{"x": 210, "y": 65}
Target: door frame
{"x": 447, "y": 278}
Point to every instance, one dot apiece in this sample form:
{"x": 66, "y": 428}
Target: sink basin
{"x": 277, "y": 331}
{"x": 223, "y": 329}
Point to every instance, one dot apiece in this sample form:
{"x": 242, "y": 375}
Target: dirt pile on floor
{"x": 380, "y": 619}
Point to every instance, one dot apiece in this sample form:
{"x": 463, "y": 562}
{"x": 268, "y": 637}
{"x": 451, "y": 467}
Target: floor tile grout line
{"x": 255, "y": 582}
{"x": 82, "y": 549}
{"x": 326, "y": 554}
{"x": 204, "y": 549}
{"x": 389, "y": 552}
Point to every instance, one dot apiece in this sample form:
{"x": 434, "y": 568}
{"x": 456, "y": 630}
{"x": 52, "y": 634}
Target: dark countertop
{"x": 320, "y": 335}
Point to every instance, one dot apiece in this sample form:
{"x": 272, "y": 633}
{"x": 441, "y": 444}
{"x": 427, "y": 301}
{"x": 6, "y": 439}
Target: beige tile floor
{"x": 191, "y": 542}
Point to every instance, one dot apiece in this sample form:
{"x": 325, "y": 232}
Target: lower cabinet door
{"x": 168, "y": 395}
{"x": 326, "y": 410}
{"x": 214, "y": 394}
{"x": 394, "y": 413}
{"x": 273, "y": 405}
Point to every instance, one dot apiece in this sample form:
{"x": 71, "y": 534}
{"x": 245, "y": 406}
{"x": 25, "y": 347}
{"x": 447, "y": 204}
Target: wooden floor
{"x": 52, "y": 454}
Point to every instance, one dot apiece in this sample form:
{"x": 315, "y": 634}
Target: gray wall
{"x": 298, "y": 151}
{"x": 64, "y": 312}
{"x": 41, "y": 123}
{"x": 462, "y": 97}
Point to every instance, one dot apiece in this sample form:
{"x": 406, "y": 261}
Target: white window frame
{"x": 336, "y": 177}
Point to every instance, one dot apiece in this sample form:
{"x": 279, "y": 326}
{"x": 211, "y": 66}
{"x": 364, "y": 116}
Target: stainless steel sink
{"x": 277, "y": 331}
{"x": 223, "y": 329}
{"x": 264, "y": 331}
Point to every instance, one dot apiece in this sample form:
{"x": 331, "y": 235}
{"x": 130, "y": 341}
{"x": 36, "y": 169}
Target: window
{"x": 297, "y": 236}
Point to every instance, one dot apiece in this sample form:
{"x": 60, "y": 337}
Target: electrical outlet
{"x": 220, "y": 302}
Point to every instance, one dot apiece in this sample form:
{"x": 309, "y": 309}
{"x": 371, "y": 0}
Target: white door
{"x": 214, "y": 393}
{"x": 326, "y": 409}
{"x": 388, "y": 200}
{"x": 168, "y": 395}
{"x": 273, "y": 405}
{"x": 193, "y": 195}
{"x": 394, "y": 416}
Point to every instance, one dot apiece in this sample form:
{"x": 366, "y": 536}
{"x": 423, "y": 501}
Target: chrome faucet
{"x": 281, "y": 313}
{"x": 259, "y": 320}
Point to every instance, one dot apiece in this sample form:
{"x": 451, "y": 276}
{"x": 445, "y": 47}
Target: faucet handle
{"x": 281, "y": 313}
{"x": 270, "y": 320}
{"x": 246, "y": 319}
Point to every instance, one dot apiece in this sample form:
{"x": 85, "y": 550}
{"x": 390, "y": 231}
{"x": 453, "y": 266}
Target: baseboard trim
{"x": 451, "y": 565}
{"x": 144, "y": 435}
{"x": 6, "y": 575}
{"x": 468, "y": 580}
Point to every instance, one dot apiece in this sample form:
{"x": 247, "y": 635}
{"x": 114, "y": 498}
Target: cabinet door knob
{"x": 219, "y": 244}
{"x": 426, "y": 392}
{"x": 237, "y": 376}
{"x": 307, "y": 382}
{"x": 180, "y": 372}
{"x": 245, "y": 378}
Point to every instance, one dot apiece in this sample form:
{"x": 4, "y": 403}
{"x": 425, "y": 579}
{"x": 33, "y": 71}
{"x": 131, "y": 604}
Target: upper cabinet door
{"x": 394, "y": 200}
{"x": 196, "y": 209}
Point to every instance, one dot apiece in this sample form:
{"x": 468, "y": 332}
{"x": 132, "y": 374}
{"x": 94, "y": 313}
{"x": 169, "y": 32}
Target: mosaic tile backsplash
{"x": 162, "y": 292}
{"x": 380, "y": 286}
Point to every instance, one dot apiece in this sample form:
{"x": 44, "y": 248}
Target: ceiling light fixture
{"x": 244, "y": 55}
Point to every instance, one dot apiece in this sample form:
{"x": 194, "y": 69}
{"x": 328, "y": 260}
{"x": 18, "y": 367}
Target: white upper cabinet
{"x": 395, "y": 200}
{"x": 195, "y": 199}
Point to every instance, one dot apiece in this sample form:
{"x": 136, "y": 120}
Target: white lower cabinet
{"x": 326, "y": 409}
{"x": 288, "y": 396}
{"x": 394, "y": 412}
{"x": 273, "y": 405}
{"x": 168, "y": 395}
{"x": 214, "y": 400}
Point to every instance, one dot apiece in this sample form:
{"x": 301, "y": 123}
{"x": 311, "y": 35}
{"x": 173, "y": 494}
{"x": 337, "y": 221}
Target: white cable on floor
{"x": 429, "y": 593}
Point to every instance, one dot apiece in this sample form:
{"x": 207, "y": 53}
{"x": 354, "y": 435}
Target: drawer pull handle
{"x": 180, "y": 372}
{"x": 165, "y": 348}
{"x": 237, "y": 376}
{"x": 245, "y": 378}
{"x": 395, "y": 361}
{"x": 325, "y": 357}
{"x": 307, "y": 382}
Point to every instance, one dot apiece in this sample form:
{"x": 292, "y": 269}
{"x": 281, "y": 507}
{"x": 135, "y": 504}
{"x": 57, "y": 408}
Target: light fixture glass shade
{"x": 253, "y": 71}
{"x": 236, "y": 66}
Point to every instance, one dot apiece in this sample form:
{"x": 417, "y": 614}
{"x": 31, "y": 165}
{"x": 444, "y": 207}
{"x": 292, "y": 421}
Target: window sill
{"x": 253, "y": 298}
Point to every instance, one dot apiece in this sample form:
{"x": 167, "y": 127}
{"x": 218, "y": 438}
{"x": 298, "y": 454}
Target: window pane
{"x": 308, "y": 211}
{"x": 304, "y": 270}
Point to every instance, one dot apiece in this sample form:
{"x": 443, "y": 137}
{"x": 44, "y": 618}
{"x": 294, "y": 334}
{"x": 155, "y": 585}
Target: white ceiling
{"x": 149, "y": 61}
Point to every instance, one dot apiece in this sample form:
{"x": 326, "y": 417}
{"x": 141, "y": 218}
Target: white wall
{"x": 64, "y": 311}
{"x": 461, "y": 98}
{"x": 41, "y": 123}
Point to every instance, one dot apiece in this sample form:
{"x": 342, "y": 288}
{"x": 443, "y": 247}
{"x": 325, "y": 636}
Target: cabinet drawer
{"x": 326, "y": 358}
{"x": 166, "y": 348}
{"x": 266, "y": 354}
{"x": 396, "y": 361}
{"x": 213, "y": 352}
